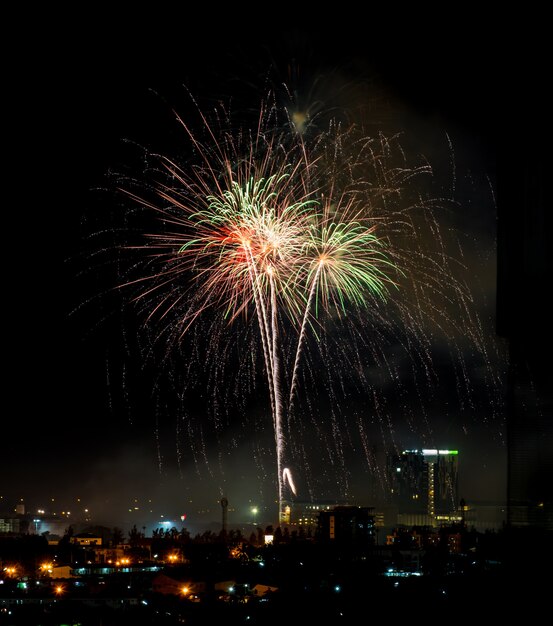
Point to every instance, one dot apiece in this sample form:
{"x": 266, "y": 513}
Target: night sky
{"x": 83, "y": 418}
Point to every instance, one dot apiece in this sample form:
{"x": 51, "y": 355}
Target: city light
{"x": 431, "y": 452}
{"x": 427, "y": 452}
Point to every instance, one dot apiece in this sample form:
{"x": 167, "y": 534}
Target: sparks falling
{"x": 286, "y": 236}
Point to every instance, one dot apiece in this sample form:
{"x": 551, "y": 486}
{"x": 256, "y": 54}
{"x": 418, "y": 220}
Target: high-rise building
{"x": 408, "y": 479}
{"x": 424, "y": 482}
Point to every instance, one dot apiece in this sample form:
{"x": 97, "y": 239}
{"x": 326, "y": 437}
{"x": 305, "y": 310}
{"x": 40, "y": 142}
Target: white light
{"x": 429, "y": 452}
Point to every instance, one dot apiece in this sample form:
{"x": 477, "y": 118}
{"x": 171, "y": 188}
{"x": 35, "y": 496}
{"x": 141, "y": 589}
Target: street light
{"x": 46, "y": 569}
{"x": 255, "y": 510}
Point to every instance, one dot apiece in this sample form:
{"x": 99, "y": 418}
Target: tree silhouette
{"x": 116, "y": 536}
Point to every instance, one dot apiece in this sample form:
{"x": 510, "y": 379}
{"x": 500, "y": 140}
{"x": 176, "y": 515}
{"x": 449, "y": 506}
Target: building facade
{"x": 347, "y": 525}
{"x": 424, "y": 482}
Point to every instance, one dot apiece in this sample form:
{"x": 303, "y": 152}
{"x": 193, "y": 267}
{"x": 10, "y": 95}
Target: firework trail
{"x": 284, "y": 235}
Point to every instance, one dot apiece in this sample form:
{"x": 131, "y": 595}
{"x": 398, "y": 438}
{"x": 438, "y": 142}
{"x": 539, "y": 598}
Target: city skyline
{"x": 159, "y": 511}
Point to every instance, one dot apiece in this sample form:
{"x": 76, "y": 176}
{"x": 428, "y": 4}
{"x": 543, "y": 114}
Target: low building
{"x": 347, "y": 524}
{"x": 87, "y": 539}
{"x": 61, "y": 571}
{"x": 11, "y": 525}
{"x": 263, "y": 590}
{"x": 306, "y": 514}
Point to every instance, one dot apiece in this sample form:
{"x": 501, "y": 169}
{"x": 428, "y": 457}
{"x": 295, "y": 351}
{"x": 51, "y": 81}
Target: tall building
{"x": 424, "y": 482}
{"x": 347, "y": 525}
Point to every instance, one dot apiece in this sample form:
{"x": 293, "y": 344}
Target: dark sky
{"x": 73, "y": 108}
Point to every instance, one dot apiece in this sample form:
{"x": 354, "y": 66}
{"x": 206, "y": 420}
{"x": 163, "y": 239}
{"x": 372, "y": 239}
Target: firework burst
{"x": 293, "y": 240}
